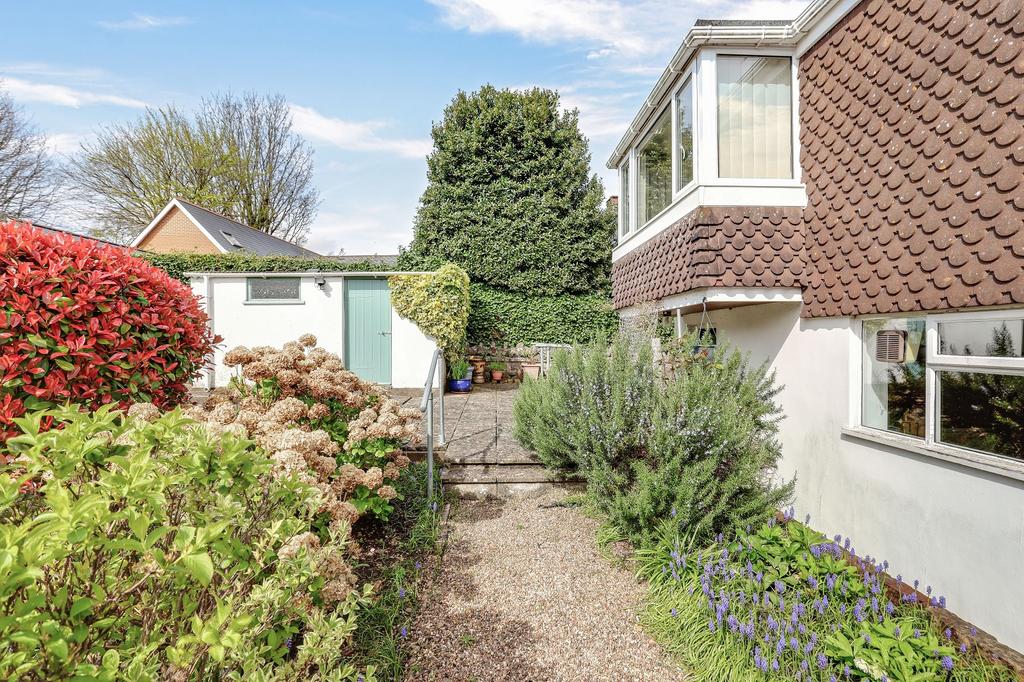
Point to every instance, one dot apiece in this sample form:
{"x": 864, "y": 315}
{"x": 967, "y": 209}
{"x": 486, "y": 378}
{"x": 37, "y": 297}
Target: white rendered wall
{"x": 320, "y": 313}
{"x": 954, "y": 527}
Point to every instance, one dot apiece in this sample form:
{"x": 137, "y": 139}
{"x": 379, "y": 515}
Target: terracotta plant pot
{"x": 497, "y": 375}
{"x": 531, "y": 369}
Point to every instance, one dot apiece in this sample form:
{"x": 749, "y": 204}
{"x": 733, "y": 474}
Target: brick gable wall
{"x": 176, "y": 233}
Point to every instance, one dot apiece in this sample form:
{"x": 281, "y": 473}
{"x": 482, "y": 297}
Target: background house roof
{"x": 233, "y": 236}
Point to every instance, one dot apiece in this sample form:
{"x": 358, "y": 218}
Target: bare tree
{"x": 27, "y": 177}
{"x": 272, "y": 183}
{"x": 237, "y": 156}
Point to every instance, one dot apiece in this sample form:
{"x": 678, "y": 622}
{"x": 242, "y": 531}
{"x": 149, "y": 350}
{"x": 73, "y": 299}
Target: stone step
{"x": 480, "y": 491}
{"x": 498, "y": 473}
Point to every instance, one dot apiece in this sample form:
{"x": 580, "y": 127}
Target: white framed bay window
{"x": 654, "y": 170}
{"x": 953, "y": 383}
{"x": 755, "y": 116}
{"x": 684, "y": 131}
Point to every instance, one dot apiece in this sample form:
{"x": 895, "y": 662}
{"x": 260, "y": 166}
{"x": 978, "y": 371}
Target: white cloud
{"x": 143, "y": 22}
{"x": 63, "y": 143}
{"x": 363, "y": 136}
{"x": 369, "y": 230}
{"x": 62, "y": 95}
{"x": 766, "y": 9}
{"x": 607, "y": 29}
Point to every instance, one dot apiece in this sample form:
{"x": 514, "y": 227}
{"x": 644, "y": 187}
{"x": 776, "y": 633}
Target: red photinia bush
{"x": 86, "y": 322}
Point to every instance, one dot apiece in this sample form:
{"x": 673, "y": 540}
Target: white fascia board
{"x": 729, "y": 296}
{"x": 726, "y": 36}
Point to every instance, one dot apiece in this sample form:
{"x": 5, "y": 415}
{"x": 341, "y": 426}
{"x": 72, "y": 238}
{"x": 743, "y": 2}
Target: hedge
{"x": 505, "y": 318}
{"x": 177, "y": 264}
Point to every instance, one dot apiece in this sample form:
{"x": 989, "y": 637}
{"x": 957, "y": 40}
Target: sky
{"x": 364, "y": 80}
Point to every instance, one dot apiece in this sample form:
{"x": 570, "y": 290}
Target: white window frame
{"x": 711, "y": 91}
{"x": 935, "y": 362}
{"x": 273, "y": 301}
{"x": 627, "y": 202}
{"x": 634, "y": 176}
{"x": 691, "y": 78}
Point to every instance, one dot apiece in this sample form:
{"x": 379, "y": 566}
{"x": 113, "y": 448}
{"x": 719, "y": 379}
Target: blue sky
{"x": 365, "y": 79}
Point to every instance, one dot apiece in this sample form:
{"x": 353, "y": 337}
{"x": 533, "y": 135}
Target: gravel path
{"x": 522, "y": 594}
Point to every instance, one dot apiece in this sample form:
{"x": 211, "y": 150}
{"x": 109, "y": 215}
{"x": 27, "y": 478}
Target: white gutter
{"x": 699, "y": 36}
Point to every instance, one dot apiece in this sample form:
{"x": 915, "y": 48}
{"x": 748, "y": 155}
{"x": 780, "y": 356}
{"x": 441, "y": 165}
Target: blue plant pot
{"x": 460, "y": 385}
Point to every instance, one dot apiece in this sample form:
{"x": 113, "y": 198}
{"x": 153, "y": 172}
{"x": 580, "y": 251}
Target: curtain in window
{"x": 755, "y": 126}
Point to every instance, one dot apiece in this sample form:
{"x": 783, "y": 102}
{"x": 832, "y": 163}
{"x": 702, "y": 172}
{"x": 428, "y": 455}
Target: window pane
{"x": 990, "y": 338}
{"x": 624, "y": 194}
{"x": 654, "y": 170}
{"x": 893, "y": 380}
{"x": 273, "y": 289}
{"x": 684, "y": 107}
{"x": 755, "y": 126}
{"x": 982, "y": 411}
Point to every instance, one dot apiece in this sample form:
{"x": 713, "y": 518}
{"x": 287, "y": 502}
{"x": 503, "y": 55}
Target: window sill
{"x": 976, "y": 460}
{"x": 273, "y": 303}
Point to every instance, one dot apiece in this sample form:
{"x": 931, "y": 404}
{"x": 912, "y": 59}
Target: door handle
{"x": 384, "y": 333}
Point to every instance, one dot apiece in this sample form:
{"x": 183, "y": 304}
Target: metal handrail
{"x": 427, "y": 407}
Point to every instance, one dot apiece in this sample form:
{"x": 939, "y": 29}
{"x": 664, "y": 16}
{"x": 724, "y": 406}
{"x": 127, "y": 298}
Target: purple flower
{"x": 401, "y": 593}
{"x": 947, "y": 663}
{"x": 947, "y": 633}
{"x": 403, "y": 632}
{"x": 674, "y": 613}
{"x": 822, "y": 662}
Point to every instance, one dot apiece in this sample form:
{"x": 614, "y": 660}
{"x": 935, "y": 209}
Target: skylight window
{"x": 231, "y": 240}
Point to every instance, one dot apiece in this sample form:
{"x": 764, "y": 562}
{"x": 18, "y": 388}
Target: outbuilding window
{"x": 272, "y": 289}
{"x": 950, "y": 380}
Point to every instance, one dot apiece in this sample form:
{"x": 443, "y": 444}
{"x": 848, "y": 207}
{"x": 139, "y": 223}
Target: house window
{"x": 950, "y": 380}
{"x": 272, "y": 289}
{"x": 684, "y": 134}
{"x": 980, "y": 388}
{"x": 654, "y": 170}
{"x": 755, "y": 125}
{"x": 893, "y": 392}
{"x": 624, "y": 216}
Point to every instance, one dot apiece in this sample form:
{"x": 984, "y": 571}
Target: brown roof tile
{"x": 714, "y": 247}
{"x": 928, "y": 96}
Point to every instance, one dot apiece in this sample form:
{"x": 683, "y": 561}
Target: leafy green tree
{"x": 510, "y": 196}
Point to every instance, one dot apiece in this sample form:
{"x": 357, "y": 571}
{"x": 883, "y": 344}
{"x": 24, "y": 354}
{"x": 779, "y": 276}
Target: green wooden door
{"x": 368, "y": 328}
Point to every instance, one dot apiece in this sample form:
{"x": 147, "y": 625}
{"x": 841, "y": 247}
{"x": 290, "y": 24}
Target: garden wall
{"x": 954, "y": 527}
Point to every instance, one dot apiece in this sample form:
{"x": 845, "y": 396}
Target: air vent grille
{"x": 890, "y": 345}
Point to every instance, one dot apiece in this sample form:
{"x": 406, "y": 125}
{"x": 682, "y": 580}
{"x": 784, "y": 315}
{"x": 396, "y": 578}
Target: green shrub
{"x": 506, "y": 318}
{"x": 591, "y": 412}
{"x": 177, "y": 264}
{"x": 156, "y": 551}
{"x": 437, "y": 302}
{"x": 694, "y": 452}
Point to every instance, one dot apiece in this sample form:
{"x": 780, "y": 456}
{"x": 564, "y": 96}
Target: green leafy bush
{"x": 177, "y": 264}
{"x": 509, "y": 318}
{"x": 438, "y": 303}
{"x": 693, "y": 452}
{"x": 783, "y": 602}
{"x": 156, "y": 550}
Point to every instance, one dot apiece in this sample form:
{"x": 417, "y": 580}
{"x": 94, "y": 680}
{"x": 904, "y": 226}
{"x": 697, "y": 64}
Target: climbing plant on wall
{"x": 437, "y": 302}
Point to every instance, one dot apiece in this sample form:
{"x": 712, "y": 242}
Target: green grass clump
{"x": 409, "y": 538}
